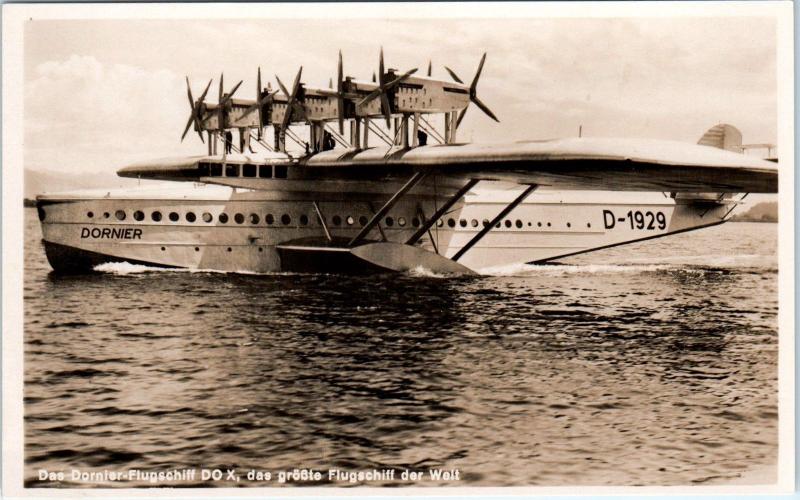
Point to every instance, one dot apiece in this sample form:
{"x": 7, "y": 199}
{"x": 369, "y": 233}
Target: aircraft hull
{"x": 80, "y": 232}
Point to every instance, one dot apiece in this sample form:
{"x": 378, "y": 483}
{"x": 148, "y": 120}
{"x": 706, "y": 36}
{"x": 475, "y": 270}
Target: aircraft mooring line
{"x": 441, "y": 211}
{"x": 415, "y": 179}
{"x": 478, "y": 237}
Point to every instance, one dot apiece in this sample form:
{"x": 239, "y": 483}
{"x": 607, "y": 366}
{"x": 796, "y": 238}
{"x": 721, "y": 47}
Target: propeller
{"x": 473, "y": 92}
{"x": 384, "y": 86}
{"x": 340, "y": 93}
{"x": 291, "y": 104}
{"x": 198, "y": 108}
{"x": 224, "y": 100}
{"x": 264, "y": 97}
{"x": 430, "y": 68}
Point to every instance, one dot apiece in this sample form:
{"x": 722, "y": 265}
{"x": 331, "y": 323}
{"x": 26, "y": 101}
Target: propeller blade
{"x": 373, "y": 78}
{"x": 221, "y": 90}
{"x": 330, "y": 83}
{"x": 399, "y": 79}
{"x": 340, "y": 74}
{"x": 454, "y": 75}
{"x": 229, "y": 96}
{"x": 259, "y": 103}
{"x": 474, "y": 85}
{"x": 372, "y": 95}
{"x": 430, "y": 67}
{"x": 201, "y": 137}
{"x": 485, "y": 108}
{"x": 381, "y": 74}
{"x": 203, "y": 95}
{"x": 385, "y": 108}
{"x": 461, "y": 116}
{"x": 189, "y": 93}
{"x": 186, "y": 130}
{"x": 296, "y": 84}
{"x": 282, "y": 87}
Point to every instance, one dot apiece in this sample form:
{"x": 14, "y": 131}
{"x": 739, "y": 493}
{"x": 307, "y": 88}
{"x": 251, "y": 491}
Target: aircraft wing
{"x": 569, "y": 164}
{"x": 578, "y": 163}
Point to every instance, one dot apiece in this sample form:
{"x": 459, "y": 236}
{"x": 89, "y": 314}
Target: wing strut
{"x": 478, "y": 237}
{"x": 415, "y": 179}
{"x": 439, "y": 213}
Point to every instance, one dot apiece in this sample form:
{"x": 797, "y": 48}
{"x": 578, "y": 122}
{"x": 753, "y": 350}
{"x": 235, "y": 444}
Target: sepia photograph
{"x": 398, "y": 248}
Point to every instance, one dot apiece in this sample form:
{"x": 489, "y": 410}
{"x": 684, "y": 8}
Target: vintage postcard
{"x": 398, "y": 249}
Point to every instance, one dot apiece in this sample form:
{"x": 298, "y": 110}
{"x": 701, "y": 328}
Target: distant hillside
{"x": 47, "y": 181}
{"x": 761, "y": 212}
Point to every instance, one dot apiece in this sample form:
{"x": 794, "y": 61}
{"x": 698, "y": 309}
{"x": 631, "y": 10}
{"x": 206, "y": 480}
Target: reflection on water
{"x": 659, "y": 369}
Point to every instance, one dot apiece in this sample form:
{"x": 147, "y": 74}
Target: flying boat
{"x": 394, "y": 194}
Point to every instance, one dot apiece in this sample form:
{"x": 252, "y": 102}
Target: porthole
{"x": 415, "y": 222}
{"x": 401, "y": 221}
{"x": 207, "y": 217}
{"x": 269, "y": 219}
{"x": 539, "y": 224}
{"x": 254, "y": 219}
{"x": 569, "y": 225}
{"x": 196, "y": 249}
{"x": 548, "y": 224}
{"x": 508, "y": 223}
{"x": 223, "y": 218}
{"x": 389, "y": 221}
{"x": 362, "y": 220}
{"x": 463, "y": 222}
{"x": 260, "y": 249}
{"x": 474, "y": 223}
{"x": 285, "y": 219}
{"x": 337, "y": 221}
{"x": 163, "y": 249}
{"x": 173, "y": 216}
{"x": 439, "y": 223}
{"x": 485, "y": 222}
{"x": 304, "y": 220}
{"x": 588, "y": 224}
{"x": 138, "y": 215}
{"x": 530, "y": 224}
{"x": 229, "y": 249}
{"x": 156, "y": 216}
{"x": 90, "y": 214}
{"x": 120, "y": 214}
{"x": 451, "y": 222}
{"x": 518, "y": 224}
{"x": 191, "y": 217}
{"x": 239, "y": 218}
{"x": 106, "y": 215}
{"x": 350, "y": 220}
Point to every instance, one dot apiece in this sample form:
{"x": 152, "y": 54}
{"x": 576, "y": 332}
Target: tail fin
{"x": 723, "y": 136}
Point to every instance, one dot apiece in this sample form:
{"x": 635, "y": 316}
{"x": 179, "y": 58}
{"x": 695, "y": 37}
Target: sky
{"x": 100, "y": 94}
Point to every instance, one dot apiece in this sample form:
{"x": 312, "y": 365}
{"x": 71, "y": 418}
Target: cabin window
{"x": 389, "y": 221}
{"x": 216, "y": 170}
{"x": 451, "y": 222}
{"x": 231, "y": 170}
{"x": 362, "y": 220}
{"x": 508, "y": 223}
{"x": 191, "y": 217}
{"x": 548, "y": 224}
{"x": 485, "y": 222}
{"x": 106, "y": 215}
{"x": 519, "y": 224}
{"x": 90, "y": 214}
{"x": 207, "y": 217}
{"x": 401, "y": 221}
{"x": 281, "y": 172}
{"x": 569, "y": 225}
{"x": 223, "y": 218}
{"x": 173, "y": 216}
{"x": 350, "y": 220}
{"x": 588, "y": 224}
{"x": 138, "y": 215}
{"x": 286, "y": 219}
{"x": 269, "y": 219}
{"x": 248, "y": 170}
{"x": 539, "y": 224}
{"x": 474, "y": 223}
{"x": 120, "y": 214}
{"x": 463, "y": 222}
{"x": 337, "y": 221}
{"x": 304, "y": 220}
{"x": 156, "y": 216}
{"x": 265, "y": 171}
{"x": 254, "y": 219}
{"x": 203, "y": 169}
{"x": 239, "y": 218}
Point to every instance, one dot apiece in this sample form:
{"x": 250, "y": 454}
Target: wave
{"x": 124, "y": 268}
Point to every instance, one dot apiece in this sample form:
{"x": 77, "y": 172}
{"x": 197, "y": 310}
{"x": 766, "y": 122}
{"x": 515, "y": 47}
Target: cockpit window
{"x": 281, "y": 172}
{"x": 248, "y": 170}
{"x": 216, "y": 170}
{"x": 231, "y": 170}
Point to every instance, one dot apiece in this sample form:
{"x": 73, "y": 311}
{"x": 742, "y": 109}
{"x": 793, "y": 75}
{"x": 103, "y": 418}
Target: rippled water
{"x": 649, "y": 364}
